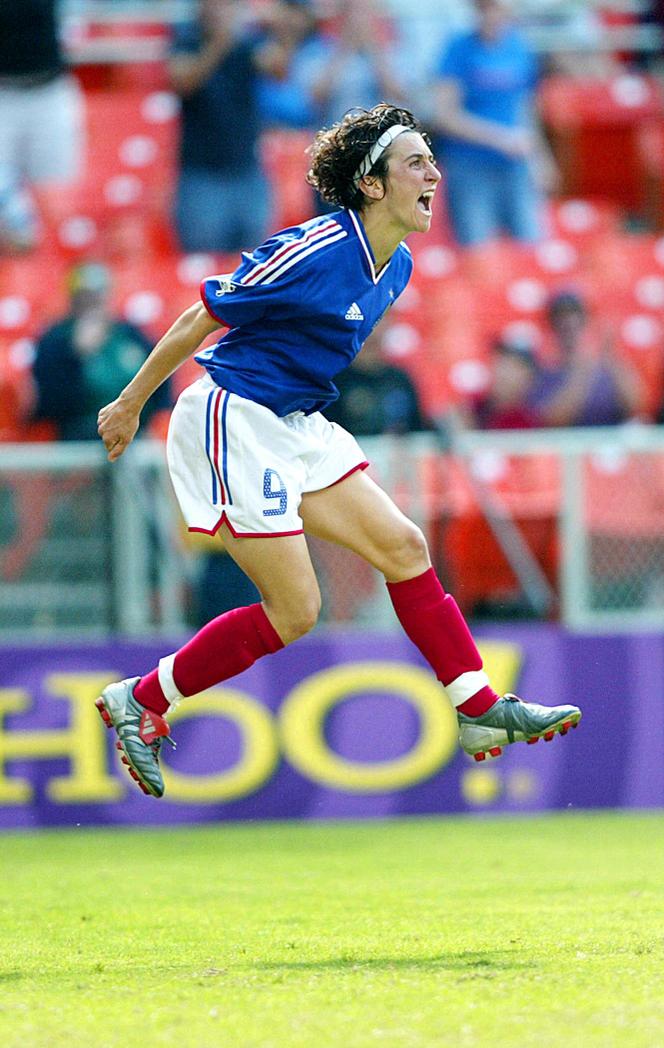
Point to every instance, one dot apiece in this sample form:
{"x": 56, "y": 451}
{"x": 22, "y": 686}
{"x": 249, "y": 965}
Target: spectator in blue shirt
{"x": 358, "y": 65}
{"x": 292, "y": 53}
{"x": 496, "y": 164}
{"x": 222, "y": 201}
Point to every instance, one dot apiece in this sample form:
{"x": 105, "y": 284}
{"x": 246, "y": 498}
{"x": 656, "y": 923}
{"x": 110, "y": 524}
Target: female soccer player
{"x": 251, "y": 456}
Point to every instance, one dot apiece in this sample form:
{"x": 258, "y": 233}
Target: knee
{"x": 306, "y": 616}
{"x": 409, "y": 554}
{"x": 297, "y": 619}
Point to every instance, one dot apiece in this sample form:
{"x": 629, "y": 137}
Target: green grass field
{"x": 456, "y": 931}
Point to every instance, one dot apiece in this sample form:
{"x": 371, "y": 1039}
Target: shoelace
{"x": 510, "y": 726}
{"x": 157, "y": 744}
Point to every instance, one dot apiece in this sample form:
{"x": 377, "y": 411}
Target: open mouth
{"x": 424, "y": 203}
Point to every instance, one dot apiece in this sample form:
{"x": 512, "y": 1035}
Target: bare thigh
{"x": 280, "y": 567}
{"x": 358, "y": 514}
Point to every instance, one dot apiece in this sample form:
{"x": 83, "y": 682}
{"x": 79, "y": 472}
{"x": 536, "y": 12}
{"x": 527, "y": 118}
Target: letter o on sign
{"x": 302, "y": 724}
{"x": 256, "y": 762}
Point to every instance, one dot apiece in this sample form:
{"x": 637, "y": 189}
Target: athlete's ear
{"x": 373, "y": 187}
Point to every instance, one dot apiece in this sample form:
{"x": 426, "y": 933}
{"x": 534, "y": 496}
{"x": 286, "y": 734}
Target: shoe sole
{"x": 125, "y": 758}
{"x": 560, "y": 728}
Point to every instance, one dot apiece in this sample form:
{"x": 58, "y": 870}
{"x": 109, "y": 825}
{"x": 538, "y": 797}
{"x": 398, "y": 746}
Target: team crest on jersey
{"x": 225, "y": 287}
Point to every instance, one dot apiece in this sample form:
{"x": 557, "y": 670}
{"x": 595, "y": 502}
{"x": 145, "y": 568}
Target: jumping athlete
{"x": 252, "y": 457}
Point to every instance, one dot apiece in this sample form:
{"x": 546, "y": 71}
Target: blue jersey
{"x": 299, "y": 308}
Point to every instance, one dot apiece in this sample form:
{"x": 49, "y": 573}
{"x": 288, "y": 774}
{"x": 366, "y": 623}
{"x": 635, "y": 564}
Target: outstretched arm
{"x": 451, "y": 118}
{"x": 118, "y": 421}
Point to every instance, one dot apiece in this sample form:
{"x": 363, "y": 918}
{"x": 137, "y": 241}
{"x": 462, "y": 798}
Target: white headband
{"x": 377, "y": 150}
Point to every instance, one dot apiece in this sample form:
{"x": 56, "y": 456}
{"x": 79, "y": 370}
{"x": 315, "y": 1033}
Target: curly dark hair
{"x": 338, "y": 151}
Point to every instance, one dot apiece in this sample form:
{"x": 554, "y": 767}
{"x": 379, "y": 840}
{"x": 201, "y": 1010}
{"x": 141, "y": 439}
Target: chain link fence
{"x": 566, "y": 524}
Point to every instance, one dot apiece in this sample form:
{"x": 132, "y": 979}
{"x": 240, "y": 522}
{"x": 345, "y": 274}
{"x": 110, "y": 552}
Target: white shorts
{"x": 234, "y": 461}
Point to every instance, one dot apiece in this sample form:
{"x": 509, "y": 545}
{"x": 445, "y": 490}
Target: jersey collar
{"x": 366, "y": 247}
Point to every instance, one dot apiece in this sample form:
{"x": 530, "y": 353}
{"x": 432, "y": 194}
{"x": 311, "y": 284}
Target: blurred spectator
{"x": 85, "y": 360}
{"x": 376, "y": 397}
{"x": 653, "y": 16}
{"x": 222, "y": 199}
{"x": 508, "y": 402}
{"x": 41, "y": 116}
{"x": 588, "y": 385}
{"x": 578, "y": 31}
{"x": 19, "y": 221}
{"x": 495, "y": 161}
{"x": 292, "y": 54}
{"x": 356, "y": 65}
{"x": 220, "y": 584}
{"x": 423, "y": 33}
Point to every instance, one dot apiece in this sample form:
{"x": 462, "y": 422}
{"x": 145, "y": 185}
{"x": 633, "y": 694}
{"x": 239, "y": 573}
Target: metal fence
{"x": 544, "y": 524}
{"x": 602, "y": 493}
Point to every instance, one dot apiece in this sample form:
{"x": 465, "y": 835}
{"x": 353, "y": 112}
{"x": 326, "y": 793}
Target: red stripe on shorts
{"x": 215, "y": 446}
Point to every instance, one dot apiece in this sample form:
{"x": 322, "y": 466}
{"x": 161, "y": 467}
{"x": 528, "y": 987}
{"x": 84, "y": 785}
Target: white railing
{"x": 89, "y": 549}
{"x": 611, "y": 496}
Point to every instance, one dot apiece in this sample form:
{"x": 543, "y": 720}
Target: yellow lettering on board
{"x": 257, "y": 760}
{"x": 502, "y": 662}
{"x": 304, "y": 711}
{"x": 82, "y": 742}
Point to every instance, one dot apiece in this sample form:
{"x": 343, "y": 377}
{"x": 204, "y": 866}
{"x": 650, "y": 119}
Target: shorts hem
{"x": 360, "y": 465}
{"x": 244, "y": 534}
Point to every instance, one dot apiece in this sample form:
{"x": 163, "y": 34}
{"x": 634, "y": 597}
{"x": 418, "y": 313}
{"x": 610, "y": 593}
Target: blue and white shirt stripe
{"x": 298, "y": 309}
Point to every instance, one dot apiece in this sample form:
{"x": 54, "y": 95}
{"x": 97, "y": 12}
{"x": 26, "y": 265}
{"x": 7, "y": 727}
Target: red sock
{"x": 434, "y": 623}
{"x": 223, "y": 648}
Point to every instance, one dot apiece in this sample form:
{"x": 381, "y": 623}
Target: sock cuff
{"x": 420, "y": 586}
{"x": 269, "y": 637}
{"x": 465, "y": 686}
{"x": 167, "y": 681}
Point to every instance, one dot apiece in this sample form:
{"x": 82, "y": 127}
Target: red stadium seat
{"x": 594, "y": 127}
{"x": 528, "y": 489}
{"x": 32, "y": 293}
{"x": 286, "y": 164}
{"x": 15, "y": 389}
{"x": 582, "y": 221}
{"x": 650, "y": 147}
{"x": 121, "y": 206}
{"x": 616, "y": 481}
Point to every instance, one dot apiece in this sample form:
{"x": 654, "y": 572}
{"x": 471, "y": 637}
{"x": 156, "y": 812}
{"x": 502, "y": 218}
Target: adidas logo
{"x": 147, "y": 723}
{"x": 354, "y": 312}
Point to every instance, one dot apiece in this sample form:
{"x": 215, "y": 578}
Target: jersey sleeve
{"x": 275, "y": 279}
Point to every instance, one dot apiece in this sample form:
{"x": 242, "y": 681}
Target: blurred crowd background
{"x": 143, "y": 145}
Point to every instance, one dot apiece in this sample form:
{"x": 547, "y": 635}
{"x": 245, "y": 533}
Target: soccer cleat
{"x": 140, "y": 731}
{"x": 510, "y": 719}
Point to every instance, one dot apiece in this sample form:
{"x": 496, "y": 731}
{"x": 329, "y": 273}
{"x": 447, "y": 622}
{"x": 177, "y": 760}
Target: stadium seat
{"x": 651, "y": 157}
{"x": 622, "y": 257}
{"x": 286, "y": 165}
{"x": 615, "y": 481}
{"x": 121, "y": 206}
{"x": 145, "y": 42}
{"x": 32, "y": 293}
{"x": 15, "y": 388}
{"x": 594, "y": 129}
{"x": 526, "y": 489}
{"x": 582, "y": 221}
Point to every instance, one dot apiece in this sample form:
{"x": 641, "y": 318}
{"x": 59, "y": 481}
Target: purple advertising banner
{"x": 338, "y": 725}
